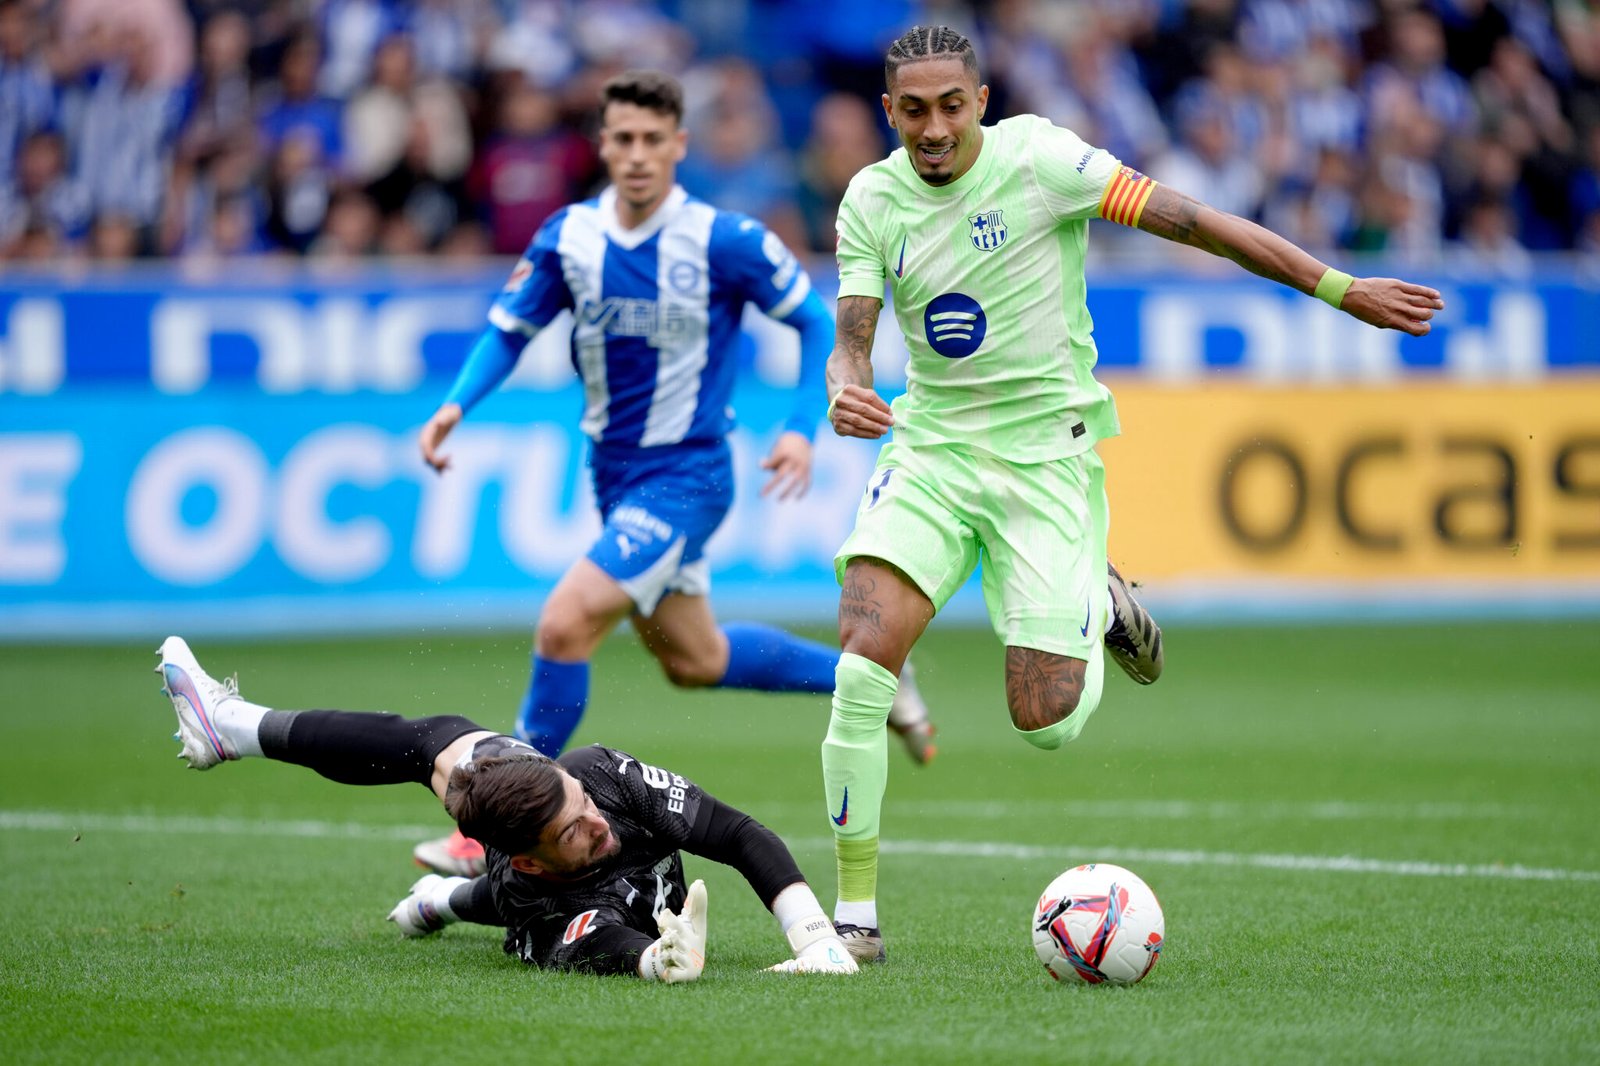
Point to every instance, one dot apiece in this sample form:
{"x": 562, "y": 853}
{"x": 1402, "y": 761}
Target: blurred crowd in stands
{"x": 1465, "y": 131}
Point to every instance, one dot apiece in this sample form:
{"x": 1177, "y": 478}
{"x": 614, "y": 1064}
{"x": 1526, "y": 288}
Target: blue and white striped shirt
{"x": 656, "y": 312}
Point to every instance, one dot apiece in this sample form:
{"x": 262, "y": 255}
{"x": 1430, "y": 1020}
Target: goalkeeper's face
{"x": 574, "y": 840}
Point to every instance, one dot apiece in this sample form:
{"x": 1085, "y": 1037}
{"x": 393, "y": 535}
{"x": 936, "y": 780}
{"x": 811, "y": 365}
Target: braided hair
{"x": 928, "y": 42}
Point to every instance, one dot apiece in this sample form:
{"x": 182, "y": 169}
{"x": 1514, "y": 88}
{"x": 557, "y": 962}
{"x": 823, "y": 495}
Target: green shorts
{"x": 1039, "y": 530}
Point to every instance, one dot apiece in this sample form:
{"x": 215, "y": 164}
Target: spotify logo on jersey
{"x": 954, "y": 325}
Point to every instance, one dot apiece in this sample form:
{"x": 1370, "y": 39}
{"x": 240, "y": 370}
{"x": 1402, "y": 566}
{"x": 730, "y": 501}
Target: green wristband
{"x": 1331, "y": 289}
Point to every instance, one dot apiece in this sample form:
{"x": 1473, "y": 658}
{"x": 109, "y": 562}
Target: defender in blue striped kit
{"x": 656, "y": 282}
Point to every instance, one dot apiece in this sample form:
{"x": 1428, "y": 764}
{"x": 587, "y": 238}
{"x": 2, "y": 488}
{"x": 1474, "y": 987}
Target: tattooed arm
{"x": 853, "y": 407}
{"x": 1388, "y": 303}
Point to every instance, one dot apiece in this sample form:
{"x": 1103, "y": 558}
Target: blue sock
{"x": 766, "y": 658}
{"x": 553, "y": 707}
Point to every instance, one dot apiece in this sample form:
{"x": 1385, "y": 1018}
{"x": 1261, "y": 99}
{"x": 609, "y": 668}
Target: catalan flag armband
{"x": 1125, "y": 196}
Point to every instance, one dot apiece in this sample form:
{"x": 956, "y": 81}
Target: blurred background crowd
{"x": 1465, "y": 131}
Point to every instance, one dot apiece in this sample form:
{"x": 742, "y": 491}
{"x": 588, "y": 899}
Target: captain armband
{"x": 1126, "y": 196}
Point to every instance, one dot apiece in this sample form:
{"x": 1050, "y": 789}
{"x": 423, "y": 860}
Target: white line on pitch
{"x": 60, "y": 821}
{"x": 1178, "y": 810}
{"x": 192, "y": 825}
{"x": 1309, "y": 863}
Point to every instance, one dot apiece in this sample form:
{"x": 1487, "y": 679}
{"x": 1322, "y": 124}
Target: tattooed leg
{"x": 881, "y": 614}
{"x": 1050, "y": 695}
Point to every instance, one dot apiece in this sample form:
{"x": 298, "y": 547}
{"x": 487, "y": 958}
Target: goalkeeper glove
{"x": 427, "y": 909}
{"x": 817, "y": 949}
{"x": 680, "y": 954}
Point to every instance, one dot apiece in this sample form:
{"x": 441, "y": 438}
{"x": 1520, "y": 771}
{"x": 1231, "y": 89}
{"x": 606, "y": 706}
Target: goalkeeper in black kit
{"x": 584, "y": 870}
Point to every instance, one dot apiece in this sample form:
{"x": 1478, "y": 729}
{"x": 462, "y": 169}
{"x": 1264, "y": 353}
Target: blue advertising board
{"x": 240, "y": 456}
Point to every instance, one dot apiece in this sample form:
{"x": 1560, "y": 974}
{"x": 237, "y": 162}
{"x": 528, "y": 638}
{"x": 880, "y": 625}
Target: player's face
{"x": 575, "y": 839}
{"x": 935, "y": 105}
{"x": 641, "y": 149}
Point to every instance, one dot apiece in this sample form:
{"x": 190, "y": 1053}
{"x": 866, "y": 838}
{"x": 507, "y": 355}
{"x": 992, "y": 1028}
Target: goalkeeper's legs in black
{"x": 215, "y": 724}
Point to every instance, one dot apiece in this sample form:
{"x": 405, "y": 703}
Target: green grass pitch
{"x": 1371, "y": 844}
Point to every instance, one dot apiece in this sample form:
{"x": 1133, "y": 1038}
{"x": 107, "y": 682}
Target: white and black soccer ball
{"x": 1099, "y": 924}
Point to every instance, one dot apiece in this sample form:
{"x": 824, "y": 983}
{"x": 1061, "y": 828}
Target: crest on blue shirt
{"x": 988, "y": 230}
{"x": 519, "y": 273}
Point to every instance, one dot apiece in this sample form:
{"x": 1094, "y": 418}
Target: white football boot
{"x": 908, "y": 717}
{"x": 196, "y": 696}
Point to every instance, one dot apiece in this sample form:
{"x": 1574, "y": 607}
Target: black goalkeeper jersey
{"x": 654, "y": 813}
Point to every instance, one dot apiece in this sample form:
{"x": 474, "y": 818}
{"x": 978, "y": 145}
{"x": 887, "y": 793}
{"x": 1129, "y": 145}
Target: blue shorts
{"x": 660, "y": 505}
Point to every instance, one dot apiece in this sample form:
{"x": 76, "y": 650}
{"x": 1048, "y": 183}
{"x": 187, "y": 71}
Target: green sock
{"x": 855, "y": 770}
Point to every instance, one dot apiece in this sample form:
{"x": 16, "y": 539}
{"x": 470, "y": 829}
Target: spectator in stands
{"x": 1584, "y": 195}
{"x": 299, "y": 190}
{"x": 737, "y": 162}
{"x": 351, "y": 32}
{"x": 294, "y": 108}
{"x": 630, "y": 34}
{"x": 413, "y": 192}
{"x": 1103, "y": 82}
{"x": 229, "y": 181}
{"x": 1415, "y": 64}
{"x": 1269, "y": 100}
{"x": 1520, "y": 106}
{"x": 114, "y": 238}
{"x": 1578, "y": 23}
{"x": 218, "y": 98}
{"x": 535, "y": 43}
{"x": 1317, "y": 213}
{"x": 1402, "y": 154}
{"x": 401, "y": 133}
{"x": 122, "y": 124}
{"x": 1324, "y": 110}
{"x": 352, "y": 228}
{"x": 163, "y": 25}
{"x": 43, "y": 202}
{"x": 451, "y": 36}
{"x": 1206, "y": 163}
{"x": 27, "y": 89}
{"x": 532, "y": 165}
{"x": 229, "y": 231}
{"x": 844, "y": 139}
{"x": 1488, "y": 241}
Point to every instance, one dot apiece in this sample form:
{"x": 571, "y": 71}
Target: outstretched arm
{"x": 1387, "y": 303}
{"x": 488, "y": 364}
{"x": 853, "y": 407}
{"x": 726, "y": 835}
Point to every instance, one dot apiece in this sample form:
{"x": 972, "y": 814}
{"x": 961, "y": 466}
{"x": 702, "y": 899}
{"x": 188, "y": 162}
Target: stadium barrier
{"x": 240, "y": 456}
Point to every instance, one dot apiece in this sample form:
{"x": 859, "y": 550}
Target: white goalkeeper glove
{"x": 680, "y": 954}
{"x": 817, "y": 949}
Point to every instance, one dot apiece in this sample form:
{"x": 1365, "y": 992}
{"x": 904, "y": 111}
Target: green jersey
{"x": 988, "y": 282}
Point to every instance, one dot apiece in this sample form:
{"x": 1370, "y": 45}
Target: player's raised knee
{"x": 691, "y": 672}
{"x": 1052, "y": 737}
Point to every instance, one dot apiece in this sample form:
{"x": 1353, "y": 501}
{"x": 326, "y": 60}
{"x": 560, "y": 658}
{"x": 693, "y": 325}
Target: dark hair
{"x": 506, "y": 801}
{"x": 928, "y": 42}
{"x": 649, "y": 89}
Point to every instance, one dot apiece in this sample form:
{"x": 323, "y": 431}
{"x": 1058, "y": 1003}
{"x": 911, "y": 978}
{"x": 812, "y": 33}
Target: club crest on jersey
{"x": 519, "y": 273}
{"x": 988, "y": 230}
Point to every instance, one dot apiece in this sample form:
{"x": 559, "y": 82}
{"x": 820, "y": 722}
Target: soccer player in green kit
{"x": 982, "y": 231}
